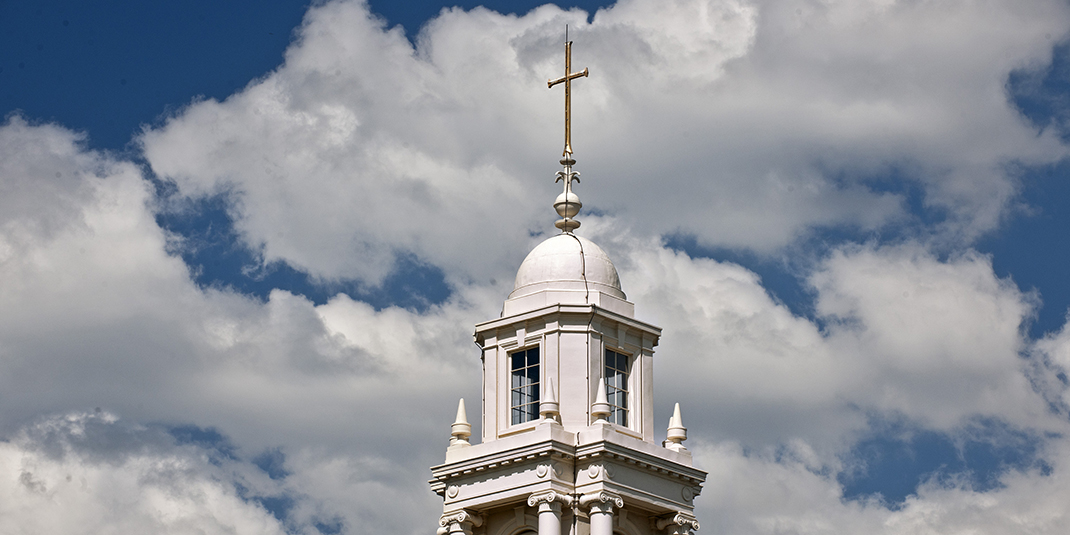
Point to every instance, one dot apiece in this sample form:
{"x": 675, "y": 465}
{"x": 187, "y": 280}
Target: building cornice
{"x": 562, "y": 310}
{"x": 643, "y": 461}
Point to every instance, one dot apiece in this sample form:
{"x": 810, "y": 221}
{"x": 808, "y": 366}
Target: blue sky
{"x": 246, "y": 236}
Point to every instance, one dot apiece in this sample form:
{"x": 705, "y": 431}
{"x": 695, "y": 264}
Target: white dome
{"x": 557, "y": 264}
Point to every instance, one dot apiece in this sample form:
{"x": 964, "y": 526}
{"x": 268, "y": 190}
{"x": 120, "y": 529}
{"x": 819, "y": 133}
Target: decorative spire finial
{"x": 461, "y": 429}
{"x": 567, "y": 204}
{"x": 677, "y": 433}
{"x": 549, "y": 409}
{"x": 600, "y": 409}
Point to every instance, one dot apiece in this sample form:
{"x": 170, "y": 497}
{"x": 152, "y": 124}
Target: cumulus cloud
{"x": 88, "y": 473}
{"x": 743, "y": 123}
{"x": 352, "y": 404}
{"x": 760, "y": 494}
{"x": 1051, "y": 369}
{"x": 96, "y": 313}
{"x": 935, "y": 340}
{"x": 753, "y": 123}
{"x": 897, "y": 333}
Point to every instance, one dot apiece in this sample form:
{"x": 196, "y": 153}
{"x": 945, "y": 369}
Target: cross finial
{"x": 567, "y": 80}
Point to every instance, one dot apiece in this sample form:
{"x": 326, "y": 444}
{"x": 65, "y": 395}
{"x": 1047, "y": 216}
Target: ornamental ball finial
{"x": 568, "y": 203}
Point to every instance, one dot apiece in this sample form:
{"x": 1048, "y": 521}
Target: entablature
{"x": 556, "y": 317}
{"x": 505, "y": 471}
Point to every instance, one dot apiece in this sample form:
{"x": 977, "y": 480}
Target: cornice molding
{"x": 624, "y": 455}
{"x": 557, "y": 310}
{"x": 539, "y": 450}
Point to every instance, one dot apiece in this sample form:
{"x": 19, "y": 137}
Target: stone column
{"x": 458, "y": 523}
{"x": 601, "y": 513}
{"x": 681, "y": 523}
{"x": 549, "y": 504}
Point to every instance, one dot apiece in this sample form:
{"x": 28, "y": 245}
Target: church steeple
{"x": 567, "y": 419}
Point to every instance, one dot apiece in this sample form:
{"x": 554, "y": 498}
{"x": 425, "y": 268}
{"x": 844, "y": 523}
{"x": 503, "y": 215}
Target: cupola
{"x": 567, "y": 412}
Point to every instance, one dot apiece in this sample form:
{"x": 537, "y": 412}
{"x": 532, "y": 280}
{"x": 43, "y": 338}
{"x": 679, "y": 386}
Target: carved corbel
{"x": 459, "y": 522}
{"x": 681, "y": 523}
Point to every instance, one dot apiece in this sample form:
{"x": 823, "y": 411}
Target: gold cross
{"x": 567, "y": 79}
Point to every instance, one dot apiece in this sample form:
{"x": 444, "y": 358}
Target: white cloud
{"x": 905, "y": 335}
{"x": 743, "y": 123}
{"x": 359, "y": 400}
{"x": 360, "y": 146}
{"x": 755, "y": 493}
{"x": 86, "y": 473}
{"x": 934, "y": 340}
{"x": 1052, "y": 368}
{"x": 95, "y": 313}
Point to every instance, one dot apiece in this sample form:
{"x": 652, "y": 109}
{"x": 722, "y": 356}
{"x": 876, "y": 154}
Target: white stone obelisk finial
{"x": 549, "y": 409}
{"x": 600, "y": 408}
{"x": 460, "y": 429}
{"x": 677, "y": 433}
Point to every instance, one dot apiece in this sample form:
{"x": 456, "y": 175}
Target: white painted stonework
{"x": 569, "y": 471}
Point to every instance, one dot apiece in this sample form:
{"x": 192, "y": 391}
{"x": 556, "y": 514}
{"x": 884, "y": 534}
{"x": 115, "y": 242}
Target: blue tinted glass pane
{"x": 516, "y": 398}
{"x": 623, "y": 400}
{"x": 518, "y": 360}
{"x": 518, "y": 416}
{"x": 533, "y": 356}
{"x": 518, "y": 379}
{"x": 533, "y": 374}
{"x": 533, "y": 411}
